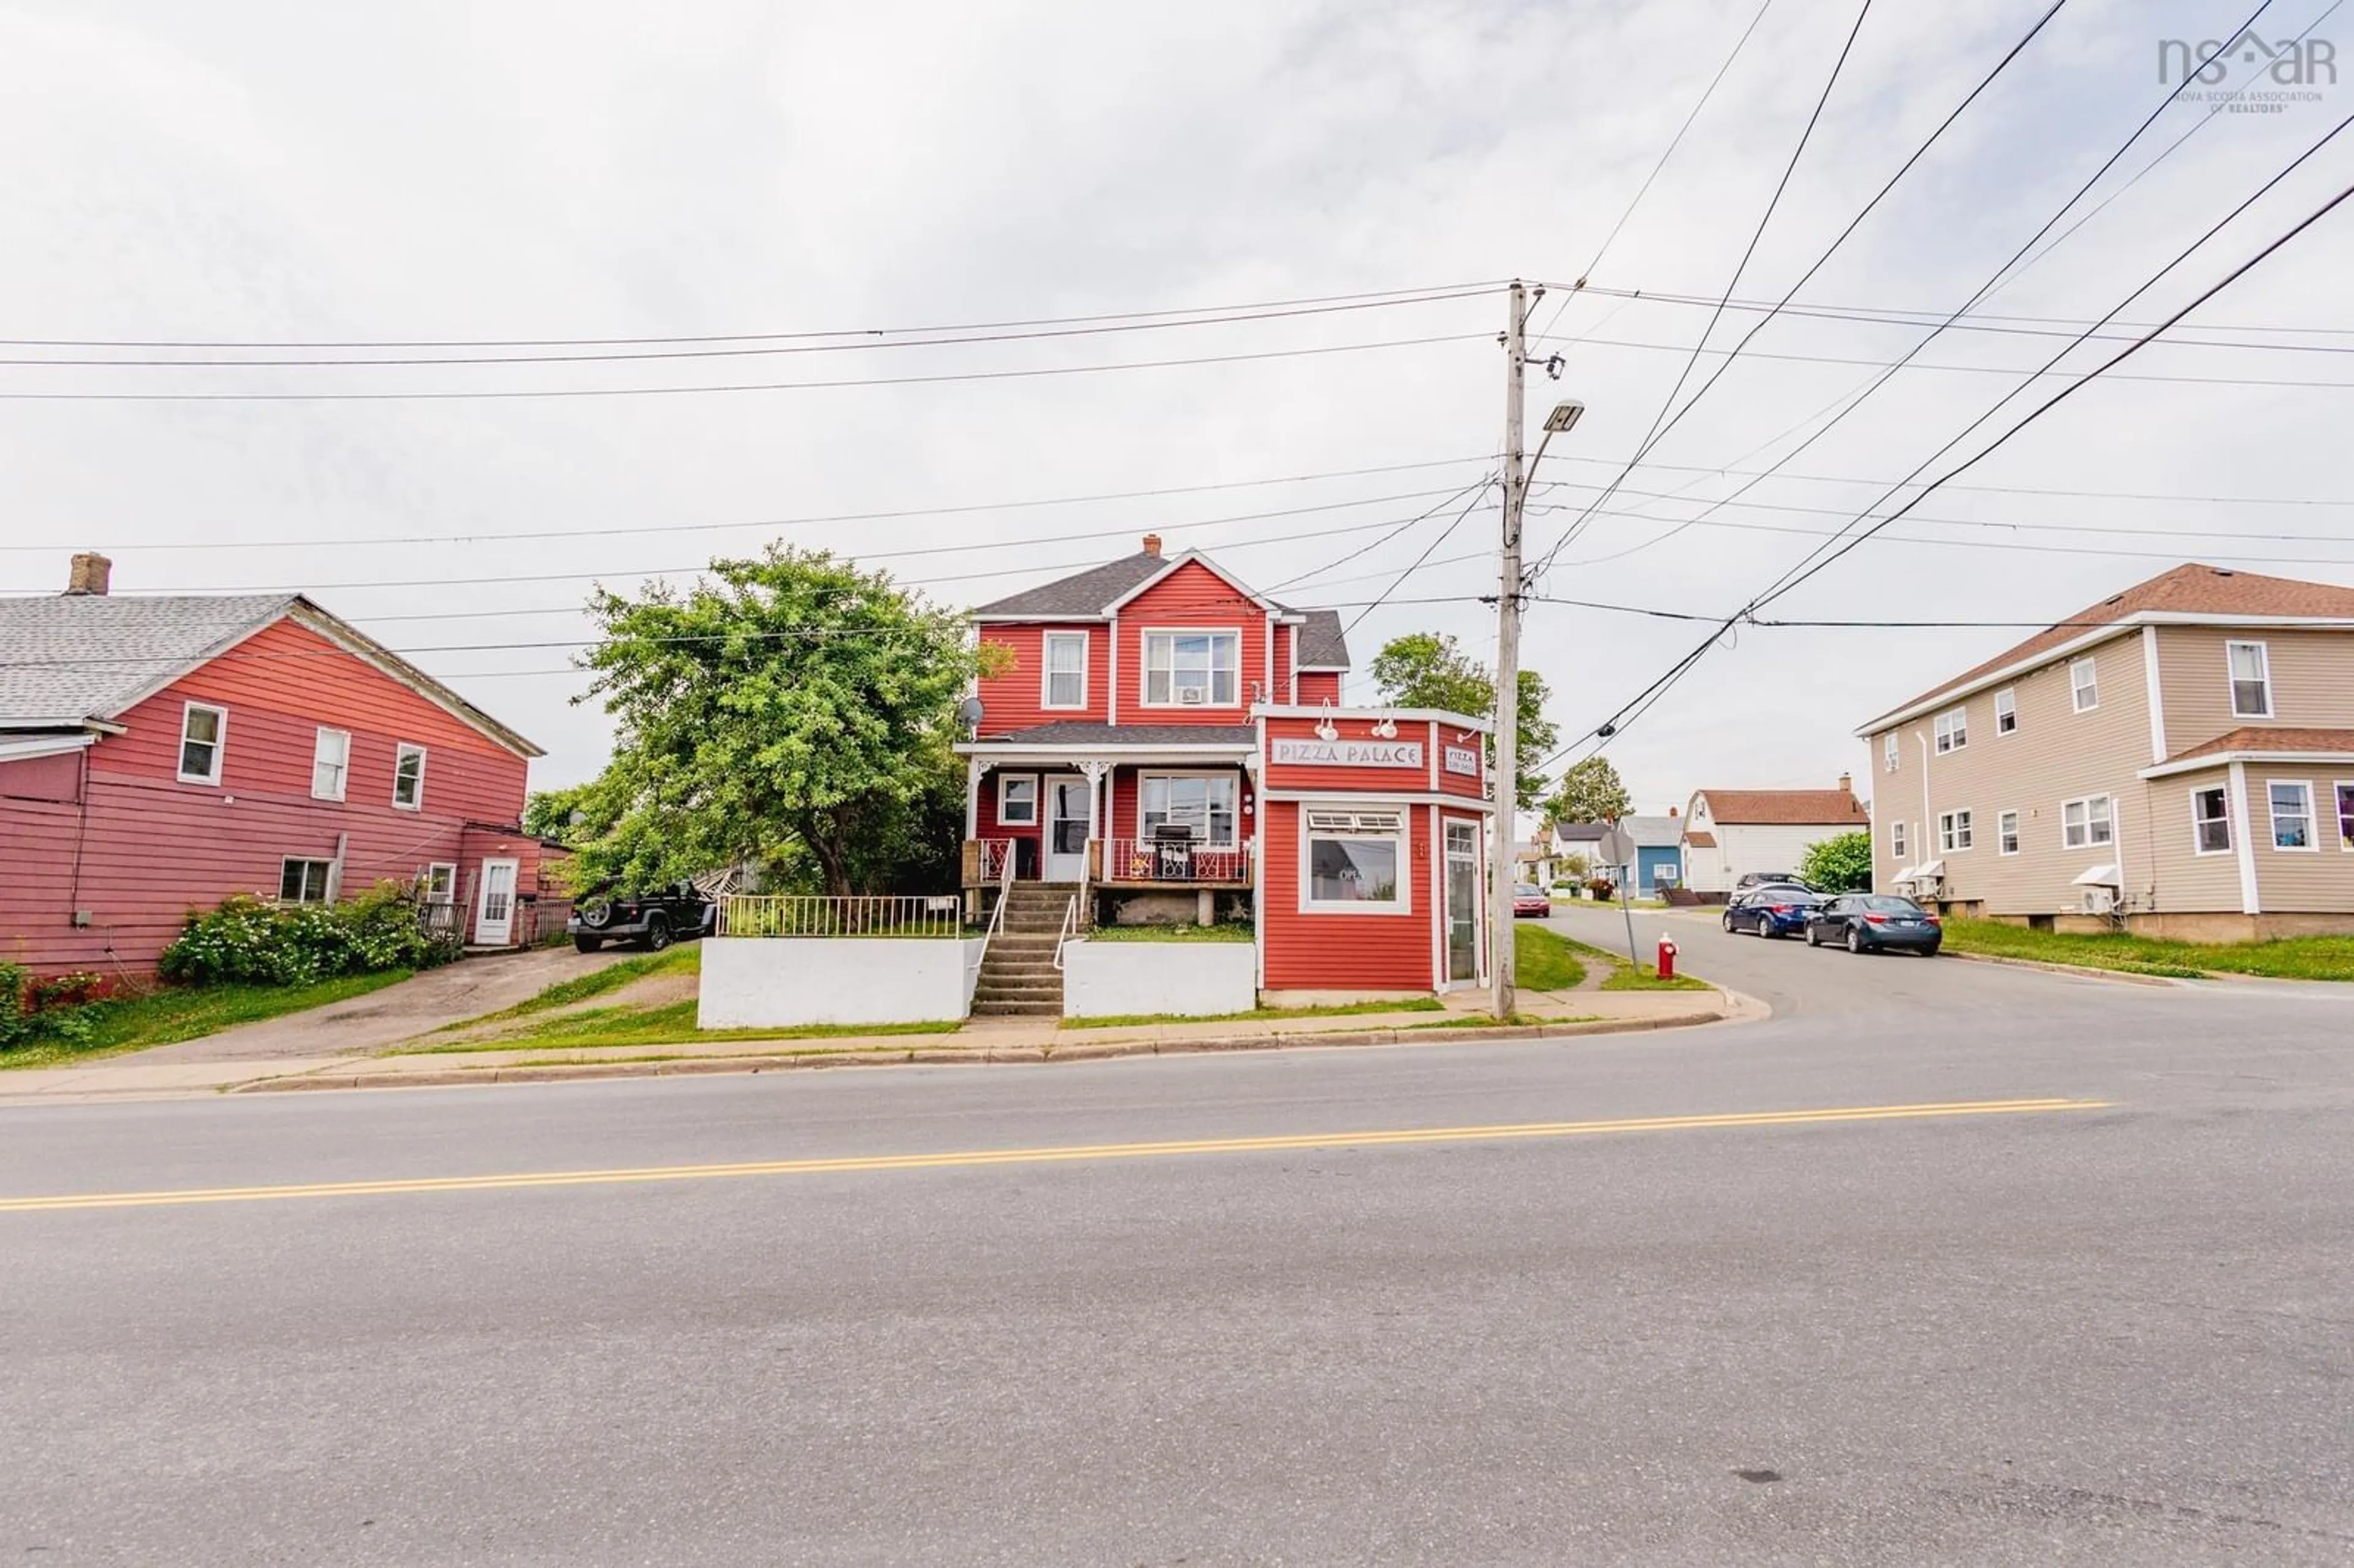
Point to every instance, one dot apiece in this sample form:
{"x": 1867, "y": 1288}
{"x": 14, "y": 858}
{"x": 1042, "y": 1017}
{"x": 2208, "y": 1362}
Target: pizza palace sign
{"x": 1309, "y": 752}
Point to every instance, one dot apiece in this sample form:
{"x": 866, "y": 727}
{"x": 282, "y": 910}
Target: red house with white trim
{"x": 159, "y": 754}
{"x": 1167, "y": 744}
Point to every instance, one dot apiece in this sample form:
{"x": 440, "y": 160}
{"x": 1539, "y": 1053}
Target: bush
{"x": 16, "y": 1023}
{"x": 246, "y": 942}
{"x": 67, "y": 1008}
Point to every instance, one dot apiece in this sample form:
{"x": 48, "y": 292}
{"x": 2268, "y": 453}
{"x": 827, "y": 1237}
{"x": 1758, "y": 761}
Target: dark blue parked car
{"x": 1774, "y": 909}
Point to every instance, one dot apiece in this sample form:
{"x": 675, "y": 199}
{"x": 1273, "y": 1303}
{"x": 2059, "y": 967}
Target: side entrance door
{"x": 1463, "y": 900}
{"x": 1068, "y": 819}
{"x": 494, "y": 909}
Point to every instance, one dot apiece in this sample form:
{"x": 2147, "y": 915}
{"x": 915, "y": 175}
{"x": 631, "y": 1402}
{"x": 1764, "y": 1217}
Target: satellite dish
{"x": 969, "y": 711}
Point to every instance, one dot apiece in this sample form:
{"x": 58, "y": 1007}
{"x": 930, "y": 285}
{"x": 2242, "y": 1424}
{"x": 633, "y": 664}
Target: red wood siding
{"x": 1470, "y": 786}
{"x": 1342, "y": 952}
{"x": 1397, "y": 780}
{"x": 1189, "y": 596}
{"x": 990, "y": 827}
{"x": 42, "y": 778}
{"x": 1014, "y": 700}
{"x": 152, "y": 848}
{"x": 1319, "y": 686}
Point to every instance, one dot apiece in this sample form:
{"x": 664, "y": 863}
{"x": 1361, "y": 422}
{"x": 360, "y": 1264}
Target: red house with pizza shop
{"x": 161, "y": 753}
{"x": 1167, "y": 745}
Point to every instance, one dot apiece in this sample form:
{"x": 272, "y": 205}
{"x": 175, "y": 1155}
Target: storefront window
{"x": 1356, "y": 861}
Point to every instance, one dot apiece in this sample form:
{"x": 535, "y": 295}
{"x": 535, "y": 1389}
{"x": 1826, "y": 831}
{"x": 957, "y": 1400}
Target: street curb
{"x": 1086, "y": 1051}
{"x": 2086, "y": 970}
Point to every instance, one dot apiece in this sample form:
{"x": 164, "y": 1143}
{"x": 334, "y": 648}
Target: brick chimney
{"x": 91, "y": 574}
{"x": 1153, "y": 543}
{"x": 1847, "y": 783}
{"x": 1675, "y": 811}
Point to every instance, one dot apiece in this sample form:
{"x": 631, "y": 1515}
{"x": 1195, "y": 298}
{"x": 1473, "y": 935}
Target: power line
{"x": 1377, "y": 544}
{"x": 445, "y": 394}
{"x": 1419, "y": 561}
{"x": 1375, "y": 294}
{"x": 861, "y": 344}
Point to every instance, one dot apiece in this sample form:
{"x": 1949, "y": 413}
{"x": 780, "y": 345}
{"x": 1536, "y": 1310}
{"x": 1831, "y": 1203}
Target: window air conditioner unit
{"x": 2100, "y": 900}
{"x": 1191, "y": 697}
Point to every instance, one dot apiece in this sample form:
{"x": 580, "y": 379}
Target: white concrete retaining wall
{"x": 761, "y": 982}
{"x": 1198, "y": 979}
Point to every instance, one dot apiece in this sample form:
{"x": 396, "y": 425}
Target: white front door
{"x": 1069, "y": 821}
{"x": 495, "y": 910}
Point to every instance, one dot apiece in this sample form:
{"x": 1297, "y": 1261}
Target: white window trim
{"x": 2344, "y": 842}
{"x": 327, "y": 882}
{"x": 2076, "y": 689}
{"x": 2230, "y": 844}
{"x": 1890, "y": 752}
{"x": 2007, "y": 834}
{"x": 1047, "y": 671}
{"x": 1402, "y": 837}
{"x": 1037, "y": 801}
{"x": 1948, "y": 822}
{"x": 2264, "y": 673}
{"x": 343, "y": 768}
{"x": 2312, "y": 826}
{"x": 1952, "y": 725}
{"x": 2006, "y": 706}
{"x": 1236, "y": 814}
{"x": 2090, "y": 842}
{"x": 220, "y": 744}
{"x": 400, "y": 751}
{"x": 1144, "y": 667}
{"x": 1898, "y": 842}
{"x": 449, "y": 866}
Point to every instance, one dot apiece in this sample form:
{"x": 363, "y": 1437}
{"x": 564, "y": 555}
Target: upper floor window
{"x": 1066, "y": 661}
{"x": 2211, "y": 821}
{"x": 2087, "y": 822}
{"x": 330, "y": 760}
{"x": 204, "y": 735}
{"x": 2252, "y": 681}
{"x": 1953, "y": 730}
{"x": 2006, "y": 712}
{"x": 2085, "y": 686}
{"x": 1889, "y": 751}
{"x": 1191, "y": 669}
{"x": 408, "y": 777}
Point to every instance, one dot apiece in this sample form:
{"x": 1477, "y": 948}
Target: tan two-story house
{"x": 2178, "y": 759}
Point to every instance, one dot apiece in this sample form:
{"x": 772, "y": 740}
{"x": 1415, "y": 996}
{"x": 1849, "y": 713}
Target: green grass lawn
{"x": 1544, "y": 961}
{"x": 669, "y": 1025}
{"x": 2289, "y": 958}
{"x": 175, "y": 1013}
{"x": 684, "y": 959}
{"x": 1625, "y": 976}
{"x": 1338, "y": 1010}
{"x": 1228, "y": 931}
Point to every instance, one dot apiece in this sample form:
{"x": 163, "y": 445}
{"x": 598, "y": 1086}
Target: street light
{"x": 1562, "y": 417}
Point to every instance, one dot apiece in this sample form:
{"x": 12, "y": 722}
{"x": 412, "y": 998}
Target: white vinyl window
{"x": 441, "y": 883}
{"x": 1355, "y": 862}
{"x": 408, "y": 777}
{"x": 1953, "y": 832}
{"x": 1896, "y": 842}
{"x": 2006, "y": 712}
{"x": 1202, "y": 801}
{"x": 1953, "y": 730}
{"x": 2006, "y": 833}
{"x": 2085, "y": 686}
{"x": 1066, "y": 661}
{"x": 331, "y": 762}
{"x": 2087, "y": 823}
{"x": 1017, "y": 800}
{"x": 2292, "y": 810}
{"x": 1890, "y": 752}
{"x": 1191, "y": 669}
{"x": 303, "y": 881}
{"x": 204, "y": 735}
{"x": 2345, "y": 816}
{"x": 2252, "y": 680}
{"x": 2211, "y": 821}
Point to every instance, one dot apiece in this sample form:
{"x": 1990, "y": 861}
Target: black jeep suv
{"x": 654, "y": 919}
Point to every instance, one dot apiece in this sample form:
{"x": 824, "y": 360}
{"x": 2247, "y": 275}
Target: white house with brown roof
{"x": 2178, "y": 757}
{"x": 1728, "y": 834}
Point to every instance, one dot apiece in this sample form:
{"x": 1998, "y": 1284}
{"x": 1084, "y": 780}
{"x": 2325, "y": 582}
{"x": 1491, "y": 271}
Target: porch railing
{"x": 762, "y": 914}
{"x": 1146, "y": 860}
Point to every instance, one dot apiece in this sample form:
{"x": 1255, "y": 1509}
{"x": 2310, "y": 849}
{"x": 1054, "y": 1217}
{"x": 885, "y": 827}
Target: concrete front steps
{"x": 1018, "y": 977}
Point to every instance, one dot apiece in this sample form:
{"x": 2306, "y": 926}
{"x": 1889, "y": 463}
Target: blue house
{"x": 1658, "y": 852}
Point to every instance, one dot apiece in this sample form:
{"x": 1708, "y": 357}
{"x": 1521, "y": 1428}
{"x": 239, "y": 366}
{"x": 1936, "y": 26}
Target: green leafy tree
{"x": 1841, "y": 863}
{"x": 1430, "y": 670}
{"x": 1589, "y": 793}
{"x": 794, "y": 712}
{"x": 561, "y": 816}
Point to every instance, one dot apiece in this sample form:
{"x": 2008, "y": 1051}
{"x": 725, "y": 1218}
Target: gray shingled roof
{"x": 1073, "y": 734}
{"x": 70, "y": 657}
{"x": 1322, "y": 644}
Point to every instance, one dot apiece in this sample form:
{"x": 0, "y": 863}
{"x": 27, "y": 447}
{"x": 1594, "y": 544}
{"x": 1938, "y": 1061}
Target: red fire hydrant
{"x": 1667, "y": 959}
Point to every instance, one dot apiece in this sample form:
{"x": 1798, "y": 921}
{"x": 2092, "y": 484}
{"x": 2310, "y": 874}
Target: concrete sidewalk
{"x": 1554, "y": 1015}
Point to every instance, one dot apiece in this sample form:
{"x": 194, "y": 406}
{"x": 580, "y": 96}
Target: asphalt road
{"x": 2107, "y": 1335}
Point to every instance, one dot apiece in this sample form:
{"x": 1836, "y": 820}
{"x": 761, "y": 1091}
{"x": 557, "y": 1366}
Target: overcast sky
{"x": 308, "y": 172}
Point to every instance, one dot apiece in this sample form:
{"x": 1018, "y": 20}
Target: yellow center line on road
{"x": 1053, "y": 1154}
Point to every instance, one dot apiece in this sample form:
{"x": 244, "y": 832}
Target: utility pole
{"x": 1508, "y": 663}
